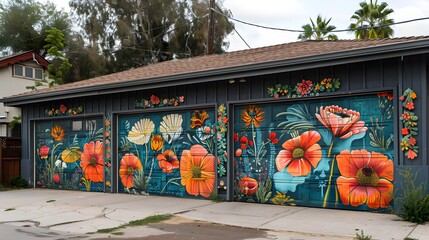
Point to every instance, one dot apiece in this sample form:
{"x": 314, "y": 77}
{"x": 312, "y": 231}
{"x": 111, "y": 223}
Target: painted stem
{"x": 325, "y": 199}
{"x": 168, "y": 182}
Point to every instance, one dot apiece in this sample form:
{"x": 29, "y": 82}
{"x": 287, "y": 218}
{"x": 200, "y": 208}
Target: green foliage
{"x": 214, "y": 197}
{"x": 414, "y": 199}
{"x": 15, "y": 121}
{"x": 318, "y": 31}
{"x": 371, "y": 20}
{"x": 28, "y": 19}
{"x": 18, "y": 182}
{"x": 140, "y": 222}
{"x": 9, "y": 209}
{"x": 264, "y": 192}
{"x": 362, "y": 236}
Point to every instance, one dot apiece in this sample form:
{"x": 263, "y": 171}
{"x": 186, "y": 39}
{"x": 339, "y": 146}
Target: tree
{"x": 140, "y": 32}
{"x": 318, "y": 31}
{"x": 372, "y": 21}
{"x": 23, "y": 24}
{"x": 59, "y": 64}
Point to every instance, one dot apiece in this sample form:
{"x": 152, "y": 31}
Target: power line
{"x": 302, "y": 31}
{"x": 233, "y": 27}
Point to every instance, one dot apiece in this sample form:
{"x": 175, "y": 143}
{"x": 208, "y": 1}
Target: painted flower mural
{"x": 197, "y": 169}
{"x": 199, "y": 118}
{"x": 171, "y": 127}
{"x": 341, "y": 121}
{"x": 366, "y": 178}
{"x": 141, "y": 131}
{"x": 332, "y": 151}
{"x": 300, "y": 154}
{"x": 57, "y": 133}
{"x": 168, "y": 161}
{"x": 70, "y": 159}
{"x": 128, "y": 164}
{"x": 93, "y": 161}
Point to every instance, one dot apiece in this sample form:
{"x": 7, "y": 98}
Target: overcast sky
{"x": 292, "y": 14}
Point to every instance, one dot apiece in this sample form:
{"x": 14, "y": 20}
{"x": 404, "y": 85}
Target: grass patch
{"x": 9, "y": 209}
{"x": 135, "y": 223}
{"x": 117, "y": 233}
{"x": 2, "y": 188}
{"x": 50, "y": 201}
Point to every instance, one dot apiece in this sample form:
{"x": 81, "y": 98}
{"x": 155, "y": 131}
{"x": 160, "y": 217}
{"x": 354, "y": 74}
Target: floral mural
{"x": 333, "y": 153}
{"x": 70, "y": 154}
{"x": 168, "y": 153}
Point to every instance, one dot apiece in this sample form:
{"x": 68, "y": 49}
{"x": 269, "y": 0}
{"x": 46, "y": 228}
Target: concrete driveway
{"x": 55, "y": 214}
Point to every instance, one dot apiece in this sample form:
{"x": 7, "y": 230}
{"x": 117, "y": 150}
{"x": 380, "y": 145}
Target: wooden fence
{"x": 10, "y": 159}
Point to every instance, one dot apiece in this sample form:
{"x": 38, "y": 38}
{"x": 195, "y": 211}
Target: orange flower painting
{"x": 93, "y": 161}
{"x": 252, "y": 115}
{"x": 343, "y": 122}
{"x": 57, "y": 132}
{"x": 129, "y": 163}
{"x": 300, "y": 154}
{"x": 168, "y": 161}
{"x": 199, "y": 119}
{"x": 197, "y": 169}
{"x": 248, "y": 186}
{"x": 366, "y": 178}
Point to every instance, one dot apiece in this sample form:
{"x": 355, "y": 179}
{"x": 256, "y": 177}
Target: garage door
{"x": 169, "y": 153}
{"x": 334, "y": 153}
{"x": 69, "y": 154}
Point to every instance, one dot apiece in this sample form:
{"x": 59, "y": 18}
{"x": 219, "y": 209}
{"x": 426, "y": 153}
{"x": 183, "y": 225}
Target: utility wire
{"x": 302, "y": 31}
{"x": 233, "y": 27}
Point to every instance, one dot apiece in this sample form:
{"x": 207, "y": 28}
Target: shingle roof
{"x": 208, "y": 63}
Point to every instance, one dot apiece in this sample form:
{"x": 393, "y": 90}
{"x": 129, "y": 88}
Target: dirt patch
{"x": 185, "y": 229}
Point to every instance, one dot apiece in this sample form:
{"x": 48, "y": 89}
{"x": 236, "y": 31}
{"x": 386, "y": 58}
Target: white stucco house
{"x": 18, "y": 71}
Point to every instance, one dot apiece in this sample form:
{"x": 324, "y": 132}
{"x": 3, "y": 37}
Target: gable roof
{"x": 23, "y": 56}
{"x": 289, "y": 56}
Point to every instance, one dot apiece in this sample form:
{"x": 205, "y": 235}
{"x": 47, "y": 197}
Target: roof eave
{"x": 334, "y": 58}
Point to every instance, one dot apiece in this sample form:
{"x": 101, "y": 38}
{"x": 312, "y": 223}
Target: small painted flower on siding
{"x": 168, "y": 161}
{"x": 199, "y": 118}
{"x": 405, "y": 131}
{"x": 282, "y": 199}
{"x": 238, "y": 152}
{"x": 404, "y": 145}
{"x": 44, "y": 152}
{"x": 92, "y": 163}
{"x": 244, "y": 141}
{"x": 63, "y": 109}
{"x": 236, "y": 137}
{"x": 409, "y": 105}
{"x": 412, "y": 141}
{"x": 128, "y": 164}
{"x": 141, "y": 131}
{"x": 252, "y": 116}
{"x": 343, "y": 122}
{"x": 304, "y": 87}
{"x": 411, "y": 154}
{"x": 197, "y": 169}
{"x": 56, "y": 178}
{"x": 60, "y": 164}
{"x": 171, "y": 127}
{"x": 248, "y": 186}
{"x": 300, "y": 154}
{"x": 154, "y": 100}
{"x": 366, "y": 178}
{"x": 57, "y": 133}
{"x": 157, "y": 142}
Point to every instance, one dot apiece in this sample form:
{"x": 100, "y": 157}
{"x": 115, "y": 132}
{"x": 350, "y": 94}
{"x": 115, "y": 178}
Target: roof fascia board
{"x": 322, "y": 60}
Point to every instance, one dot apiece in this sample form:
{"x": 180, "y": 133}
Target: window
{"x": 38, "y": 74}
{"x": 19, "y": 70}
{"x": 28, "y": 72}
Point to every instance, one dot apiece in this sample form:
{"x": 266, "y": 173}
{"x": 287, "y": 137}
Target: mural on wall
{"x": 70, "y": 154}
{"x": 168, "y": 153}
{"x": 409, "y": 124}
{"x": 334, "y": 152}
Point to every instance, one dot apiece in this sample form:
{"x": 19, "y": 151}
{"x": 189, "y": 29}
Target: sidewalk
{"x": 78, "y": 213}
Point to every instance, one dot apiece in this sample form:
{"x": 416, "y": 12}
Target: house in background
{"x": 18, "y": 71}
{"x": 312, "y": 123}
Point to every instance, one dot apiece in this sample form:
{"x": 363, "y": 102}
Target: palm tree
{"x": 372, "y": 21}
{"x": 318, "y": 31}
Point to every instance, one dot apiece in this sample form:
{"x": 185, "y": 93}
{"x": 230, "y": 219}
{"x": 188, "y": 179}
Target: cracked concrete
{"x": 56, "y": 214}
